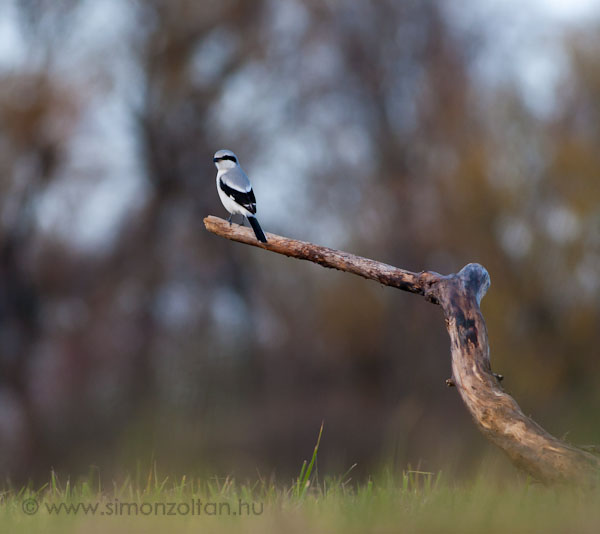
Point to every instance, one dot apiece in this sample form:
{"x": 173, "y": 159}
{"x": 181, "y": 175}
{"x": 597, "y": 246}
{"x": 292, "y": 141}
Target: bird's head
{"x": 225, "y": 159}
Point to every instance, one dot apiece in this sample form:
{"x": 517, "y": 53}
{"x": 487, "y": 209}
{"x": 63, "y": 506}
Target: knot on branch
{"x": 428, "y": 282}
{"x": 475, "y": 280}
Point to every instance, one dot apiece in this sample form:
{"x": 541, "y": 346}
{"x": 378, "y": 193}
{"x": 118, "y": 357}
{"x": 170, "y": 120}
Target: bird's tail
{"x": 257, "y": 229}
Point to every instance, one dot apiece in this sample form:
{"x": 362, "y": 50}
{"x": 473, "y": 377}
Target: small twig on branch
{"x": 497, "y": 414}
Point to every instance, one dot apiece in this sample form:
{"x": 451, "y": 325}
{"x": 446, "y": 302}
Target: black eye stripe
{"x": 221, "y": 158}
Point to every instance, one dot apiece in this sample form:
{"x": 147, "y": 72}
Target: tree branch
{"x": 496, "y": 414}
{"x": 327, "y": 257}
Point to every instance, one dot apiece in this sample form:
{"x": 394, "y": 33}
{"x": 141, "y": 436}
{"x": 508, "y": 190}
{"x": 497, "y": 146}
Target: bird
{"x": 235, "y": 190}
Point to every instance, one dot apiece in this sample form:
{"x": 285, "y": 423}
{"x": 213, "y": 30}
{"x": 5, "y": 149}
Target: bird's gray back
{"x": 237, "y": 179}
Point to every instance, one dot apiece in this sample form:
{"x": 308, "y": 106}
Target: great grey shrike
{"x": 235, "y": 190}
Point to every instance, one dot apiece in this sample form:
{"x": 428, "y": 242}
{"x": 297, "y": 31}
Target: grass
{"x": 303, "y": 481}
{"x": 413, "y": 501}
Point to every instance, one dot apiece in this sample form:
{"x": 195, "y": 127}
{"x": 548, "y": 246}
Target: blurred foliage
{"x": 126, "y": 331}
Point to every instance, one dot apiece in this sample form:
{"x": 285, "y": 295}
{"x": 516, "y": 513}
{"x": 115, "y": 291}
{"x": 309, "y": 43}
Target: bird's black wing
{"x": 243, "y": 198}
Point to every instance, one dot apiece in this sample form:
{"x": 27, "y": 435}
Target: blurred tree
{"x": 373, "y": 133}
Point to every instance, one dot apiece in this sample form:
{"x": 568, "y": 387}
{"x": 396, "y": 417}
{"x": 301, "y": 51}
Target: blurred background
{"x": 425, "y": 134}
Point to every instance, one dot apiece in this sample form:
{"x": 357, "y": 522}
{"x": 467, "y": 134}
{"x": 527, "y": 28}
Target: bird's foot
{"x": 229, "y": 219}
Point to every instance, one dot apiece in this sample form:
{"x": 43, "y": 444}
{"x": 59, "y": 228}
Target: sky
{"x": 566, "y": 10}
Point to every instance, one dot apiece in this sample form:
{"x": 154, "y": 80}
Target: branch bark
{"x": 496, "y": 414}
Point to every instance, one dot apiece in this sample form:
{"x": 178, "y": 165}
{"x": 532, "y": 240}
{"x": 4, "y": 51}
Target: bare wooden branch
{"x": 495, "y": 412}
{"x": 327, "y": 257}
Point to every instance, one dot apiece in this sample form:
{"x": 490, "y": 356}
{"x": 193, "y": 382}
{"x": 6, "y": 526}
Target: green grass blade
{"x": 304, "y": 479}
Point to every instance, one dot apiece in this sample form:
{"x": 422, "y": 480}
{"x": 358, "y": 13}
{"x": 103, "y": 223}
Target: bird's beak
{"x": 216, "y": 160}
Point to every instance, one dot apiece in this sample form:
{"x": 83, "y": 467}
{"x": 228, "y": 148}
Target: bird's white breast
{"x": 230, "y": 205}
